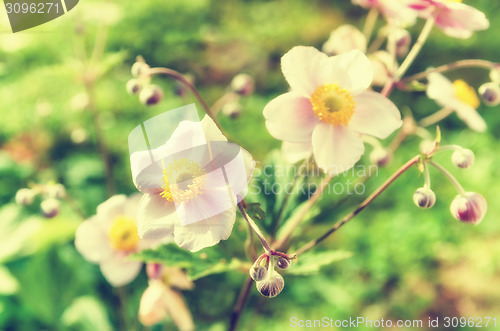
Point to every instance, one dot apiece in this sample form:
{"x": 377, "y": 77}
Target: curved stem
{"x": 240, "y": 304}
{"x": 469, "y": 63}
{"x": 255, "y": 228}
{"x": 436, "y": 117}
{"x": 362, "y": 206}
{"x": 449, "y": 176}
{"x": 426, "y": 30}
{"x": 427, "y": 177}
{"x": 178, "y": 76}
{"x": 295, "y": 221}
{"x": 371, "y": 19}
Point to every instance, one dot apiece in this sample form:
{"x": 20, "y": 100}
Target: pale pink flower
{"x": 343, "y": 39}
{"x": 452, "y": 16}
{"x": 191, "y": 184}
{"x": 458, "y": 96}
{"x": 110, "y": 236}
{"x": 328, "y": 108}
{"x": 395, "y": 11}
{"x": 159, "y": 301}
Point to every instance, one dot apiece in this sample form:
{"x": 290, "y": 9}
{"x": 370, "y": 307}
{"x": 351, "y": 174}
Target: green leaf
{"x": 254, "y": 211}
{"x": 311, "y": 263}
{"x": 87, "y": 314}
{"x": 197, "y": 265}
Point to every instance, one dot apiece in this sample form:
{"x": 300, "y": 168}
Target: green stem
{"x": 255, "y": 228}
{"x": 436, "y": 117}
{"x": 449, "y": 176}
{"x": 362, "y": 206}
{"x": 426, "y": 30}
{"x": 469, "y": 63}
{"x": 371, "y": 19}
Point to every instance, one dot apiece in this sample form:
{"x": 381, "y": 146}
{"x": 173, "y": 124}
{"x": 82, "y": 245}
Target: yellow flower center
{"x": 123, "y": 234}
{"x": 189, "y": 178}
{"x": 454, "y": 0}
{"x": 333, "y": 104}
{"x": 466, "y": 93}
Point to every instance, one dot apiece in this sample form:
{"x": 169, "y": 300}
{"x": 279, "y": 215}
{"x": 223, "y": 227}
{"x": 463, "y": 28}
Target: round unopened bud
{"x": 424, "y": 197}
{"x": 25, "y": 196}
{"x": 258, "y": 273}
{"x": 50, "y": 207}
{"x": 403, "y": 41}
{"x": 463, "y": 158}
{"x": 151, "y": 95}
{"x": 383, "y": 66}
{"x": 343, "y": 39}
{"x": 490, "y": 93}
{"x": 232, "y": 109}
{"x": 469, "y": 208}
{"x": 56, "y": 191}
{"x": 139, "y": 68}
{"x": 283, "y": 263}
{"x": 243, "y": 84}
{"x": 272, "y": 286}
{"x": 134, "y": 86}
{"x": 380, "y": 157}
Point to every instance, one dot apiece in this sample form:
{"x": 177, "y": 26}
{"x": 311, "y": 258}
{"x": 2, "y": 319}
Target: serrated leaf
{"x": 255, "y": 212}
{"x": 200, "y": 264}
{"x": 311, "y": 263}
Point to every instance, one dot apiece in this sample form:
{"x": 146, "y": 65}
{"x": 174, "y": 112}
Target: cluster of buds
{"x": 268, "y": 281}
{"x": 467, "y": 207}
{"x": 51, "y": 195}
{"x": 241, "y": 85}
{"x": 149, "y": 94}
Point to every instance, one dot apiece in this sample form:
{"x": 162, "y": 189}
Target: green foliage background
{"x": 405, "y": 263}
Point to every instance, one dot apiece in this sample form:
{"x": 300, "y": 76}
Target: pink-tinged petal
{"x": 150, "y": 180}
{"x": 156, "y": 217}
{"x": 375, "y": 115}
{"x": 336, "y": 148}
{"x": 206, "y": 233}
{"x": 460, "y": 20}
{"x": 151, "y": 308}
{"x": 358, "y": 69}
{"x": 440, "y": 89}
{"x": 290, "y": 117}
{"x": 303, "y": 68}
{"x": 109, "y": 209}
{"x": 212, "y": 132}
{"x": 470, "y": 116}
{"x": 119, "y": 271}
{"x": 295, "y": 152}
{"x": 178, "y": 310}
{"x": 92, "y": 241}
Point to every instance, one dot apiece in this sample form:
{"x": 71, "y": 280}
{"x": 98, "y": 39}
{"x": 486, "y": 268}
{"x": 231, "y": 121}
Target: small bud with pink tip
{"x": 469, "y": 208}
{"x": 424, "y": 197}
{"x": 463, "y": 158}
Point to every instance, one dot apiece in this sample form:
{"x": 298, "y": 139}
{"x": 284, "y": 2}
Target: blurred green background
{"x": 406, "y": 263}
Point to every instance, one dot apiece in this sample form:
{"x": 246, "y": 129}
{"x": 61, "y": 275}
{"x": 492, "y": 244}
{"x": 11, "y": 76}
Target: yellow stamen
{"x": 123, "y": 234}
{"x": 189, "y": 178}
{"x": 333, "y": 104}
{"x": 455, "y": 1}
{"x": 466, "y": 93}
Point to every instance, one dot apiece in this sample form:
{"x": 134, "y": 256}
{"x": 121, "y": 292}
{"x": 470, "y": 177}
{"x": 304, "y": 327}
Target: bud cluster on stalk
{"x": 51, "y": 195}
{"x": 149, "y": 94}
{"x": 268, "y": 281}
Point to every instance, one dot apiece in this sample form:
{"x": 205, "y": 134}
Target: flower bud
{"x": 151, "y": 95}
{"x": 463, "y": 158}
{"x": 403, "y": 41}
{"x": 133, "y": 86}
{"x": 242, "y": 84}
{"x": 25, "y": 196}
{"x": 139, "y": 68}
{"x": 469, "y": 208}
{"x": 380, "y": 157}
{"x": 50, "y": 207}
{"x": 258, "y": 273}
{"x": 427, "y": 146}
{"x": 283, "y": 263}
{"x": 343, "y": 39}
{"x": 383, "y": 66}
{"x": 272, "y": 286}
{"x": 232, "y": 109}
{"x": 153, "y": 270}
{"x": 490, "y": 93}
{"x": 424, "y": 197}
{"x": 56, "y": 191}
